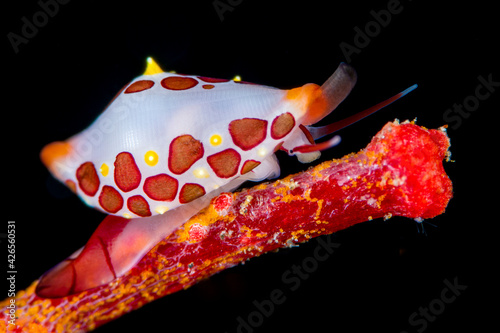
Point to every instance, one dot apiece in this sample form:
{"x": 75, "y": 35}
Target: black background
{"x": 383, "y": 271}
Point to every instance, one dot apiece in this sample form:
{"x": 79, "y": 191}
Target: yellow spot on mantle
{"x": 161, "y": 209}
{"x": 201, "y": 173}
{"x": 215, "y": 140}
{"x": 104, "y": 169}
{"x": 151, "y": 158}
{"x": 262, "y": 152}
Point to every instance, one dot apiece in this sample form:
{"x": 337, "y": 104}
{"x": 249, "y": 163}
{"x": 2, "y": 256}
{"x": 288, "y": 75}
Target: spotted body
{"x": 168, "y": 139}
{"x": 169, "y": 143}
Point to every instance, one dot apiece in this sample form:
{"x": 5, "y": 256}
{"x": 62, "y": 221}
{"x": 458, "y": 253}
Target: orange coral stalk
{"x": 399, "y": 173}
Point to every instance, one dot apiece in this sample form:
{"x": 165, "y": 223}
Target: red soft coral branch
{"x": 399, "y": 173}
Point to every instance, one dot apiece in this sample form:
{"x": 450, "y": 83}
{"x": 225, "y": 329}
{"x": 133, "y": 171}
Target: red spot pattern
{"x": 247, "y": 133}
{"x": 184, "y": 152}
{"x": 282, "y": 125}
{"x": 208, "y": 86}
{"x": 161, "y": 187}
{"x": 249, "y": 165}
{"x": 211, "y": 79}
{"x": 127, "y": 174}
{"x": 178, "y": 83}
{"x": 87, "y": 177}
{"x": 138, "y": 86}
{"x": 110, "y": 199}
{"x": 138, "y": 205}
{"x": 189, "y": 192}
{"x": 225, "y": 163}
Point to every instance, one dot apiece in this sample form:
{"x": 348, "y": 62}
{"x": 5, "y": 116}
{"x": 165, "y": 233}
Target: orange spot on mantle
{"x": 178, "y": 83}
